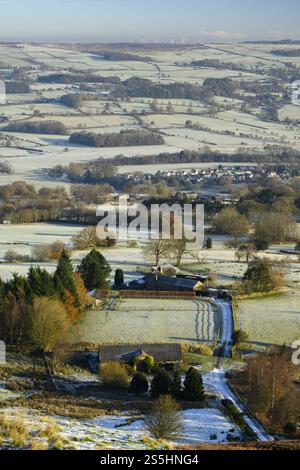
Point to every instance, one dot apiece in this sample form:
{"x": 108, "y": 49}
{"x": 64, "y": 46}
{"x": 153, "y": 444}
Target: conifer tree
{"x": 161, "y": 384}
{"x": 64, "y": 278}
{"x": 176, "y": 389}
{"x": 94, "y": 270}
{"x": 40, "y": 282}
{"x": 119, "y": 277}
{"x": 193, "y": 386}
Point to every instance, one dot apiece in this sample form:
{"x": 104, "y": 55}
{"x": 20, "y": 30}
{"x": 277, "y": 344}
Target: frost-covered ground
{"x": 225, "y": 127}
{"x": 207, "y": 425}
{"x": 199, "y": 425}
{"x": 272, "y": 320}
{"x": 22, "y": 238}
{"x": 216, "y": 382}
{"x": 220, "y": 260}
{"x": 152, "y": 320}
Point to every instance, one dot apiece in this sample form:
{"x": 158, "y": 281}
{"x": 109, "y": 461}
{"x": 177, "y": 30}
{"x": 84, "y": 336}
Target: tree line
{"x": 73, "y": 78}
{"x": 270, "y": 155}
{"x": 122, "y": 139}
{"x": 76, "y": 100}
{"x": 22, "y": 203}
{"x": 34, "y": 307}
{"x": 17, "y": 87}
{"x": 141, "y": 87}
{"x": 267, "y": 383}
{"x": 37, "y": 127}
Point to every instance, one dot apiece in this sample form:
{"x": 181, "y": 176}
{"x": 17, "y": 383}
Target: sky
{"x": 148, "y": 20}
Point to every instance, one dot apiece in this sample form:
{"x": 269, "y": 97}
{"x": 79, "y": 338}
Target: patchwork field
{"x": 224, "y": 124}
{"x": 152, "y": 320}
{"x": 273, "y": 320}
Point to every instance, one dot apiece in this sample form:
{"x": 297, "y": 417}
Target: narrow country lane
{"x": 216, "y": 382}
{"x": 227, "y": 328}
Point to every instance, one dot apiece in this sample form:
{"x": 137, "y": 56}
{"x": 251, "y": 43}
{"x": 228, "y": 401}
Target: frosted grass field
{"x": 22, "y": 238}
{"x": 199, "y": 426}
{"x": 37, "y": 234}
{"x": 152, "y": 320}
{"x": 112, "y": 432}
{"x": 289, "y": 111}
{"x": 273, "y": 320}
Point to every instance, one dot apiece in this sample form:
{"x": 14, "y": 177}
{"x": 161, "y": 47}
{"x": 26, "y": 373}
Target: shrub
{"x": 132, "y": 244}
{"x": 161, "y": 384}
{"x": 261, "y": 276}
{"x": 239, "y": 337}
{"x": 38, "y": 445}
{"x": 51, "y": 431}
{"x": 114, "y": 375}
{"x": 209, "y": 243}
{"x": 119, "y": 277}
{"x": 202, "y": 349}
{"x": 290, "y": 428}
{"x": 164, "y": 420}
{"x": 149, "y": 364}
{"x": 15, "y": 429}
{"x": 237, "y": 417}
{"x": 262, "y": 244}
{"x": 139, "y": 383}
{"x": 12, "y": 256}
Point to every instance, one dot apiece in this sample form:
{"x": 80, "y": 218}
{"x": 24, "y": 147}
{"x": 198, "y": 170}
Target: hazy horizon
{"x": 148, "y": 21}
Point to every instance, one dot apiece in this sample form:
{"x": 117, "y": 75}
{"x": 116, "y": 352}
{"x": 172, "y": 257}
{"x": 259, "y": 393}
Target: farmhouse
{"x": 157, "y": 282}
{"x": 97, "y": 298}
{"x": 162, "y": 352}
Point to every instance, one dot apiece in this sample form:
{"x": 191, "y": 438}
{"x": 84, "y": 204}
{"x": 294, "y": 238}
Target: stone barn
{"x": 164, "y": 352}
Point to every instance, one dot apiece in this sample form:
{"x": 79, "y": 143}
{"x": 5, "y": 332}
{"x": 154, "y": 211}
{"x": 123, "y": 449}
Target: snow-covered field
{"x": 206, "y": 425}
{"x": 199, "y": 425}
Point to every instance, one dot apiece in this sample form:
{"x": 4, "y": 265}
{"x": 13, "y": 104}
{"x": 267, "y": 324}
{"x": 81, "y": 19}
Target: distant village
{"x": 223, "y": 174}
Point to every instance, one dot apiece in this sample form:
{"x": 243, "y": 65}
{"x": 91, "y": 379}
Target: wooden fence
{"x": 144, "y": 294}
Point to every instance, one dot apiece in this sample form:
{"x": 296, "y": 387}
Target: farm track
{"x": 216, "y": 382}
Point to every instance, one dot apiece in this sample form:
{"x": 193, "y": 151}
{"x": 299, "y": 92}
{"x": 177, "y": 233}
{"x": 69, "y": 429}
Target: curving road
{"x": 216, "y": 382}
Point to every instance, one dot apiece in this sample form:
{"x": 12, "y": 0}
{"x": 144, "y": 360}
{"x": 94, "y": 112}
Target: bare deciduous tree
{"x": 164, "y": 421}
{"x": 230, "y": 222}
{"x": 156, "y": 249}
{"x": 177, "y": 249}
